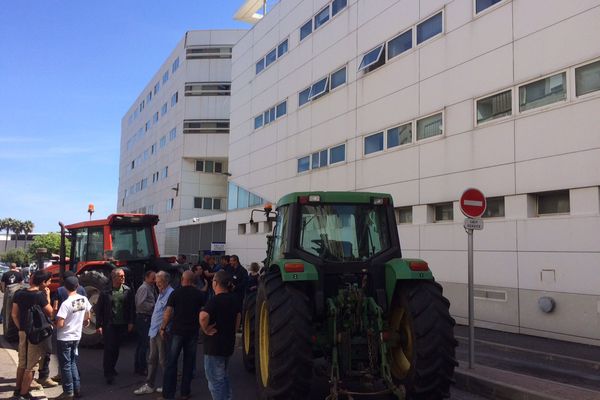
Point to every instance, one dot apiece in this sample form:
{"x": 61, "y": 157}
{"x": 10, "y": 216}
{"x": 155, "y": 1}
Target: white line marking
{"x": 476, "y": 203}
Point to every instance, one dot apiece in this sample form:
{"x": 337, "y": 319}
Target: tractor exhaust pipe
{"x": 63, "y": 252}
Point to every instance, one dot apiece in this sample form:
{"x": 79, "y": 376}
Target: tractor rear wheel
{"x": 282, "y": 345}
{"x": 248, "y": 314}
{"x": 422, "y": 356}
{"x": 93, "y": 282}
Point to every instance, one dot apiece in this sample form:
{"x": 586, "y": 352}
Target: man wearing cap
{"x": 73, "y": 314}
{"x": 219, "y": 320}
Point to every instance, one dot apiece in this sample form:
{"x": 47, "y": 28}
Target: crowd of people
{"x": 170, "y": 319}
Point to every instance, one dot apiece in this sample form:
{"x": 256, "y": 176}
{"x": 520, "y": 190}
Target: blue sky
{"x": 69, "y": 70}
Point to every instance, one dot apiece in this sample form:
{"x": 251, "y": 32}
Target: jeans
{"x": 142, "y": 326}
{"x": 157, "y": 356}
{"x": 67, "y": 361}
{"x": 215, "y": 368}
{"x": 188, "y": 345}
{"x": 113, "y": 336}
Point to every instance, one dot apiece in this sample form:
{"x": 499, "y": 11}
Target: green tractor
{"x": 336, "y": 298}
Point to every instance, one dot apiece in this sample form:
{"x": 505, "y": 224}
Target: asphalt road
{"x": 94, "y": 386}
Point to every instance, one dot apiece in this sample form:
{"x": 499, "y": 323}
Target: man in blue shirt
{"x": 157, "y": 355}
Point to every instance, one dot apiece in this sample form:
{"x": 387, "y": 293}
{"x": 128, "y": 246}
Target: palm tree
{"x": 7, "y": 223}
{"x": 17, "y": 228}
{"x": 27, "y": 228}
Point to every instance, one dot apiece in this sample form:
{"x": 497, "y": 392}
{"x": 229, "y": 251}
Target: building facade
{"x": 174, "y": 143}
{"x": 423, "y": 99}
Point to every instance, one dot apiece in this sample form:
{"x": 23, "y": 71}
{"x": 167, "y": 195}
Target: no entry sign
{"x": 472, "y": 203}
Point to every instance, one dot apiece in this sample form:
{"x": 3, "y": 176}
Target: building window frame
{"x": 412, "y": 44}
{"x": 304, "y": 33}
{"x": 543, "y": 107}
{"x": 486, "y": 10}
{"x": 552, "y": 193}
{"x": 424, "y": 20}
{"x": 501, "y": 209}
{"x": 476, "y": 121}
{"x": 438, "y": 211}
{"x": 323, "y": 22}
{"x": 429, "y": 138}
{"x": 408, "y": 210}
{"x": 331, "y": 149}
{"x": 592, "y": 93}
{"x": 369, "y": 66}
{"x": 373, "y": 136}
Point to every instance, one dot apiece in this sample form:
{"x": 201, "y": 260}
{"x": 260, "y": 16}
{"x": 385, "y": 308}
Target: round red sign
{"x": 472, "y": 203}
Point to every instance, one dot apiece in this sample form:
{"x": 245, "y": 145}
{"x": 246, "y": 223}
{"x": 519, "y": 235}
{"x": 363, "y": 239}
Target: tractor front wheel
{"x": 282, "y": 340}
{"x": 422, "y": 354}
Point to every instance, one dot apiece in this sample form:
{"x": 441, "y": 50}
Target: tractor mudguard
{"x": 399, "y": 269}
{"x": 297, "y": 271}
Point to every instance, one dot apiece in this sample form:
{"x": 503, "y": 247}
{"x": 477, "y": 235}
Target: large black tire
{"x": 420, "y": 318}
{"x": 282, "y": 340}
{"x": 248, "y": 314}
{"x": 93, "y": 282}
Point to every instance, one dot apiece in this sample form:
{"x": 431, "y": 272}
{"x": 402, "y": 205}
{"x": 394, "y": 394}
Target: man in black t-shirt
{"x": 11, "y": 281}
{"x": 183, "y": 310}
{"x": 10, "y": 277}
{"x": 38, "y": 293}
{"x": 219, "y": 320}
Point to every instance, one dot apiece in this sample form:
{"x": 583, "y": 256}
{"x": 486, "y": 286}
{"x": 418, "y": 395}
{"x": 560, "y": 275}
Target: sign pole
{"x": 471, "y": 300}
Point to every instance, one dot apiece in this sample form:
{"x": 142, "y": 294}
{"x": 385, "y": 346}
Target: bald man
{"x": 183, "y": 310}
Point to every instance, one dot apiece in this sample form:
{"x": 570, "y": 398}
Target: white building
{"x": 174, "y": 143}
{"x": 423, "y": 99}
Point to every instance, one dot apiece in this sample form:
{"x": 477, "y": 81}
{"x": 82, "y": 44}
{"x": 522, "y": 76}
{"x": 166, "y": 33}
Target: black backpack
{"x": 39, "y": 326}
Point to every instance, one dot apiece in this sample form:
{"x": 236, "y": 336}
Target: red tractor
{"x": 97, "y": 247}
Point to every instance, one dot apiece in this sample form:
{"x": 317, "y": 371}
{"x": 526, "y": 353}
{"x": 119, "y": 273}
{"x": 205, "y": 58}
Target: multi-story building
{"x": 174, "y": 144}
{"x": 423, "y": 99}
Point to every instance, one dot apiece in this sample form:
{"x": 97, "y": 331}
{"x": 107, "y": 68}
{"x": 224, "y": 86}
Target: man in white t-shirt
{"x": 73, "y": 314}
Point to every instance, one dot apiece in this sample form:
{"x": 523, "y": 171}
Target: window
{"x": 174, "y": 99}
{"x": 282, "y": 48}
{"x": 374, "y": 143}
{"x": 207, "y": 203}
{"x": 132, "y": 164}
{"x": 209, "y": 166}
{"x": 207, "y": 52}
{"x": 163, "y": 142}
{"x": 170, "y": 204}
{"x": 587, "y": 78}
{"x": 444, "y": 212}
{"x": 494, "y": 207}
{"x": 271, "y": 57}
{"x": 306, "y": 29}
{"x": 153, "y": 148}
{"x": 371, "y": 60}
{"x": 260, "y": 65}
{"x": 147, "y": 126}
{"x": 267, "y": 117}
{"x": 429, "y": 28}
{"x": 155, "y": 117}
{"x": 258, "y": 121}
{"x": 321, "y": 17}
{"x": 156, "y": 88}
{"x": 553, "y": 203}
{"x": 495, "y": 106}
{"x": 403, "y": 215}
{"x": 218, "y": 167}
{"x": 199, "y": 165}
{"x": 337, "y": 6}
{"x": 399, "y": 135}
{"x": 208, "y": 89}
{"x": 304, "y": 96}
{"x": 216, "y": 204}
{"x": 205, "y": 126}
{"x": 303, "y": 164}
{"x": 319, "y": 88}
{"x": 175, "y": 65}
{"x": 165, "y": 77}
{"x": 319, "y": 159}
{"x": 338, "y": 78}
{"x": 281, "y": 109}
{"x": 163, "y": 110}
{"x": 172, "y": 134}
{"x": 337, "y": 154}
{"x": 430, "y": 126}
{"x": 149, "y": 97}
{"x": 399, "y": 44}
{"x": 481, "y": 5}
{"x": 543, "y": 92}
{"x": 165, "y": 172}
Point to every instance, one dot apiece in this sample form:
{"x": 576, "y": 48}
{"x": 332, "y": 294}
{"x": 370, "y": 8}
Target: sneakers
{"x": 64, "y": 396}
{"x": 159, "y": 390}
{"x": 146, "y": 389}
{"x": 56, "y": 378}
{"x": 48, "y": 383}
{"x": 35, "y": 385}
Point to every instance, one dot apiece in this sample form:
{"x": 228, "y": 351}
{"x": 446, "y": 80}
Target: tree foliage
{"x": 18, "y": 256}
{"x": 50, "y": 241}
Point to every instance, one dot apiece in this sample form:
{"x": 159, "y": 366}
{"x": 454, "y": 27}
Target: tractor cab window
{"x": 131, "y": 242}
{"x": 89, "y": 244}
{"x": 344, "y": 233}
{"x": 280, "y": 238}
